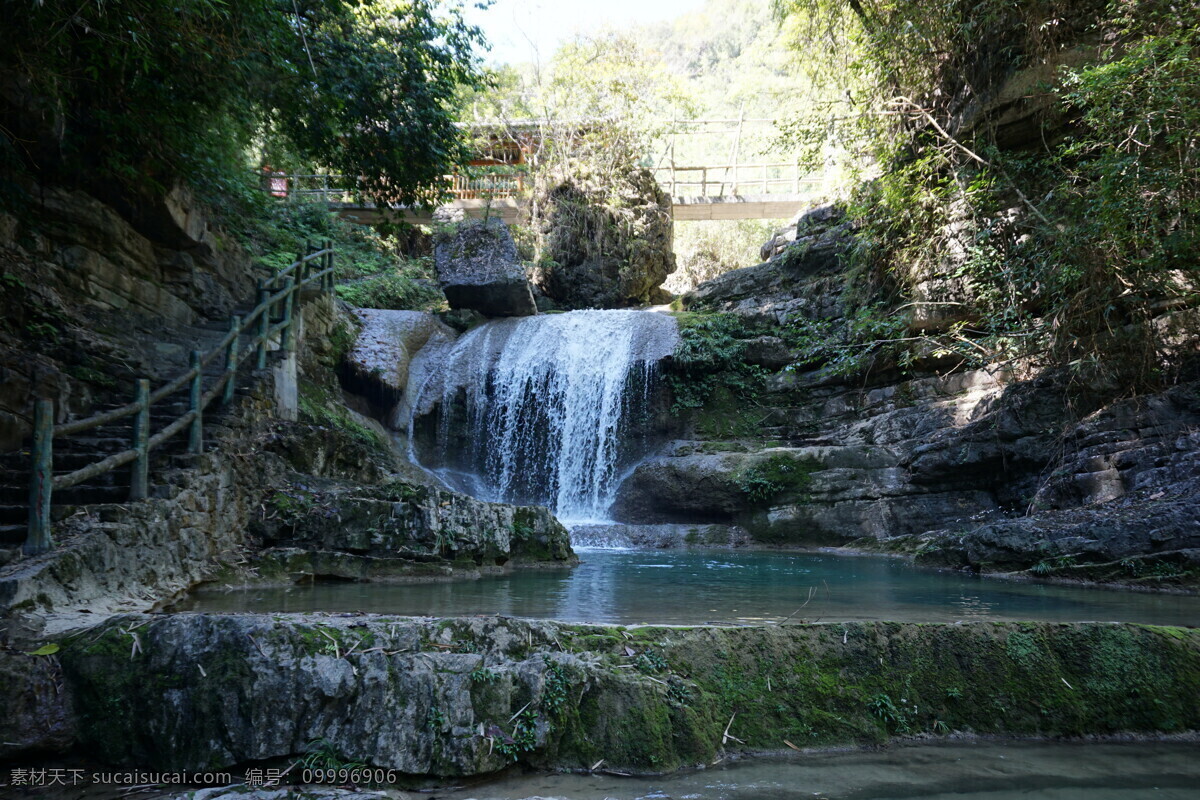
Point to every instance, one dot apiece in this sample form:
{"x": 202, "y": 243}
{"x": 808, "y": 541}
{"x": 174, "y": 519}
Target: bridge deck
{"x": 767, "y": 206}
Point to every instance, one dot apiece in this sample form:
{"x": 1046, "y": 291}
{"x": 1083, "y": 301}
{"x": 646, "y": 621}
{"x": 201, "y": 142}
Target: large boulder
{"x": 377, "y": 364}
{"x": 605, "y": 247}
{"x": 345, "y": 529}
{"x": 478, "y": 268}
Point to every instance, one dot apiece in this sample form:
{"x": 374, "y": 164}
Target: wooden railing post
{"x": 231, "y": 360}
{"x": 264, "y": 324}
{"x": 329, "y": 278}
{"x": 41, "y": 482}
{"x": 285, "y": 334}
{"x": 196, "y": 434}
{"x": 139, "y": 480}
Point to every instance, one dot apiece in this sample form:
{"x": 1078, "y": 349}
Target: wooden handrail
{"x": 43, "y": 481}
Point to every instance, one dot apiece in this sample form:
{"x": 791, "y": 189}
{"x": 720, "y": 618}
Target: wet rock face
{"x": 478, "y": 268}
{"x": 377, "y": 365}
{"x": 695, "y": 488}
{"x": 1121, "y": 503}
{"x": 978, "y": 469}
{"x": 603, "y": 254}
{"x": 470, "y": 696}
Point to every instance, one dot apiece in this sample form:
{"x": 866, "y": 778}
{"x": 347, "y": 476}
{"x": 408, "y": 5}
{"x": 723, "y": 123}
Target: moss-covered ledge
{"x": 468, "y": 696}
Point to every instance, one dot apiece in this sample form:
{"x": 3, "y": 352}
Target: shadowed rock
{"x": 478, "y": 268}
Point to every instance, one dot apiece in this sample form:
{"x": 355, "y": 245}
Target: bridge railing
{"x": 709, "y": 180}
{"x": 272, "y": 315}
{"x": 725, "y": 180}
{"x": 476, "y": 184}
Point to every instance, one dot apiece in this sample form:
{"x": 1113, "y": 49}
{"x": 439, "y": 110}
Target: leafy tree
{"x": 1071, "y": 244}
{"x": 142, "y": 92}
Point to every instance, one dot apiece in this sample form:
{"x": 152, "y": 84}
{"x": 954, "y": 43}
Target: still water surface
{"x": 978, "y": 771}
{"x": 690, "y": 587}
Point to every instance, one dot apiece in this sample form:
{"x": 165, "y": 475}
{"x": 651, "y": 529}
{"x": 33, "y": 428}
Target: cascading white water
{"x": 542, "y": 409}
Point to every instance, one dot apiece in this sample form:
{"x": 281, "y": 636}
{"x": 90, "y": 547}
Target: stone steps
{"x": 111, "y": 490}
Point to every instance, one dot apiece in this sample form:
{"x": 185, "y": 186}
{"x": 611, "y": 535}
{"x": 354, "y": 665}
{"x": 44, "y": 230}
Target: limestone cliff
{"x": 1002, "y": 467}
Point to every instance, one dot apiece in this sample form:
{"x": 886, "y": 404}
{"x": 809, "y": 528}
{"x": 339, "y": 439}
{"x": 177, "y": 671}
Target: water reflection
{"x": 697, "y": 586}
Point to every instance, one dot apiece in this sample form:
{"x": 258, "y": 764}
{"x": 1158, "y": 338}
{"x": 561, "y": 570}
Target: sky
{"x": 531, "y": 30}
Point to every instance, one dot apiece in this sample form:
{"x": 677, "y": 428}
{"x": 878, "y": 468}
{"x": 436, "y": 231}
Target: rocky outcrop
{"x": 974, "y": 469}
{"x": 86, "y": 295}
{"x": 1119, "y": 502}
{"x": 377, "y": 365}
{"x": 135, "y": 556}
{"x": 478, "y": 268}
{"x": 801, "y": 226}
{"x": 397, "y": 529}
{"x": 462, "y": 697}
{"x": 802, "y": 276}
{"x": 990, "y": 469}
{"x": 35, "y": 707}
{"x": 597, "y": 253}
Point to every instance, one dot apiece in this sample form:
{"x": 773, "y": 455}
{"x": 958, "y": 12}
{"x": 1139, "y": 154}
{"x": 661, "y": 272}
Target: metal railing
{"x": 715, "y": 180}
{"x": 272, "y": 314}
{"x": 339, "y": 189}
{"x": 731, "y": 180}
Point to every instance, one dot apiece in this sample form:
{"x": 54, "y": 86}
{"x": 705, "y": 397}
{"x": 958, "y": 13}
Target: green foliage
{"x": 323, "y": 755}
{"x": 142, "y": 92}
{"x": 319, "y": 407}
{"x": 679, "y": 694}
{"x": 1049, "y": 566}
{"x": 650, "y": 662}
{"x": 370, "y": 265}
{"x": 482, "y": 674}
{"x": 436, "y": 719}
{"x": 709, "y": 357}
{"x": 523, "y": 738}
{"x": 766, "y": 480}
{"x": 293, "y": 504}
{"x": 851, "y": 346}
{"x": 1063, "y": 253}
{"x": 401, "y": 287}
{"x": 896, "y": 718}
{"x": 557, "y": 689}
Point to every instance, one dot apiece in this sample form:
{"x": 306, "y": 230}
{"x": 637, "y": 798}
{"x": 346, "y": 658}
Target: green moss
{"x": 671, "y": 702}
{"x": 707, "y": 370}
{"x": 318, "y": 406}
{"x": 775, "y": 477}
{"x": 89, "y": 375}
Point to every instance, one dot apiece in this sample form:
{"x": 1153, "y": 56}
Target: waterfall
{"x": 546, "y": 410}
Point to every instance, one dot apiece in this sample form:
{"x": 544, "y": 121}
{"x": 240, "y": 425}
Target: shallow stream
{"x": 975, "y": 770}
{"x": 691, "y": 587}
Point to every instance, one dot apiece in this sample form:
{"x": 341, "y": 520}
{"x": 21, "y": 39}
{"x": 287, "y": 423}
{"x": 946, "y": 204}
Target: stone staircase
{"x": 74, "y": 452}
